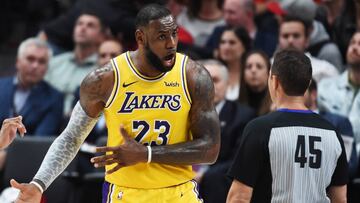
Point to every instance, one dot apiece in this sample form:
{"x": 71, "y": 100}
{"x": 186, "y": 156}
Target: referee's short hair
{"x": 294, "y": 71}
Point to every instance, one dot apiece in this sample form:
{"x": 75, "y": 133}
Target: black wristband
{"x": 40, "y": 183}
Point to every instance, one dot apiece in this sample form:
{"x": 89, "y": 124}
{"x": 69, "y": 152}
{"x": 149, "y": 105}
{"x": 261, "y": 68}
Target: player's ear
{"x": 140, "y": 36}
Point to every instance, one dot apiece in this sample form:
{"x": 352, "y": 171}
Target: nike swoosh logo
{"x": 126, "y": 85}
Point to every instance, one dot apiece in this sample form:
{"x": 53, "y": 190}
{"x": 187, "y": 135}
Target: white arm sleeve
{"x": 63, "y": 150}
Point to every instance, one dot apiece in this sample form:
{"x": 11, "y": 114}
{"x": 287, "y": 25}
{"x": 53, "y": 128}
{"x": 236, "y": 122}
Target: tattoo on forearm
{"x": 66, "y": 146}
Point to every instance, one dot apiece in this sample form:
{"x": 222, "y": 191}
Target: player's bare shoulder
{"x": 96, "y": 88}
{"x": 199, "y": 82}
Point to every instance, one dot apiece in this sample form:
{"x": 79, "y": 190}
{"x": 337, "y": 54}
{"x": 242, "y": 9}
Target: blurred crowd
{"x": 59, "y": 42}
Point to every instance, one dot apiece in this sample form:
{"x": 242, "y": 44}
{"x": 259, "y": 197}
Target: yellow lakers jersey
{"x": 154, "y": 111}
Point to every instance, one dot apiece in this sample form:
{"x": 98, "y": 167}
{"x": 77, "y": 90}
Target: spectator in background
{"x": 109, "y": 49}
{"x": 254, "y": 85}
{"x": 28, "y": 95}
{"x": 234, "y": 42}
{"x": 200, "y": 18}
{"x": 340, "y": 94}
{"x": 341, "y": 18}
{"x": 320, "y": 44}
{"x": 214, "y": 183}
{"x": 294, "y": 33}
{"x": 8, "y": 130}
{"x": 322, "y": 47}
{"x": 240, "y": 13}
{"x": 342, "y": 124}
{"x": 73, "y": 66}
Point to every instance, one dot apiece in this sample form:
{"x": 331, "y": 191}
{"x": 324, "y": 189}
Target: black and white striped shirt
{"x": 290, "y": 156}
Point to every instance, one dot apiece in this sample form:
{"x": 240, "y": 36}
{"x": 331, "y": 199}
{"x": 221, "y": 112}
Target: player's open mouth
{"x": 169, "y": 59}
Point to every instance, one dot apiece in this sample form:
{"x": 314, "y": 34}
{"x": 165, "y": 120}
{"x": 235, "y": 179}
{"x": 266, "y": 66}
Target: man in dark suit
{"x": 26, "y": 94}
{"x": 341, "y": 123}
{"x": 214, "y": 183}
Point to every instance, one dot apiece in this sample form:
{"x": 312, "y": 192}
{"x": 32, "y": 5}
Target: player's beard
{"x": 155, "y": 61}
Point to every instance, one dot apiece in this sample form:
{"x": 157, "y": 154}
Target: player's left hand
{"x": 127, "y": 154}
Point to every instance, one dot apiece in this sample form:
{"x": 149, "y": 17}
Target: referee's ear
{"x": 273, "y": 82}
{"x": 276, "y": 82}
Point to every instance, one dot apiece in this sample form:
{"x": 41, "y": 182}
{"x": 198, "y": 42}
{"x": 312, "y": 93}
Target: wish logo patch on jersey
{"x": 171, "y": 84}
{"x": 134, "y": 102}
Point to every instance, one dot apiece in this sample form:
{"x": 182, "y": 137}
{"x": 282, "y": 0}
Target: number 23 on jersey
{"x": 142, "y": 129}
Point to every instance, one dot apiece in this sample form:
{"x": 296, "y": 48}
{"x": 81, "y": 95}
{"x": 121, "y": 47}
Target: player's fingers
{"x": 117, "y": 167}
{"x": 125, "y": 134}
{"x": 102, "y": 158}
{"x": 106, "y": 149}
{"x": 104, "y": 163}
{"x": 16, "y": 185}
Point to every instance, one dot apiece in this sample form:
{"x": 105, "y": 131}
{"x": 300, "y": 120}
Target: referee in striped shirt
{"x": 291, "y": 155}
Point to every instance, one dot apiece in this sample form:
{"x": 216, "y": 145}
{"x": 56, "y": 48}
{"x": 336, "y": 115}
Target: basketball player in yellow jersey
{"x": 160, "y": 117}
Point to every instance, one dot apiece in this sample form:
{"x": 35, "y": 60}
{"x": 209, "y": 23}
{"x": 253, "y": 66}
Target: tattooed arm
{"x": 94, "y": 90}
{"x": 204, "y": 124}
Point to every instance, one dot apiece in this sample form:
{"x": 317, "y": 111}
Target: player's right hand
{"x": 129, "y": 153}
{"x": 29, "y": 193}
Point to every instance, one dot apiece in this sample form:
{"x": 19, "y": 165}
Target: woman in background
{"x": 254, "y": 82}
{"x": 233, "y": 43}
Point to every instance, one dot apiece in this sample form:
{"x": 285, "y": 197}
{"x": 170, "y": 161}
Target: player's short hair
{"x": 294, "y": 71}
{"x": 150, "y": 12}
